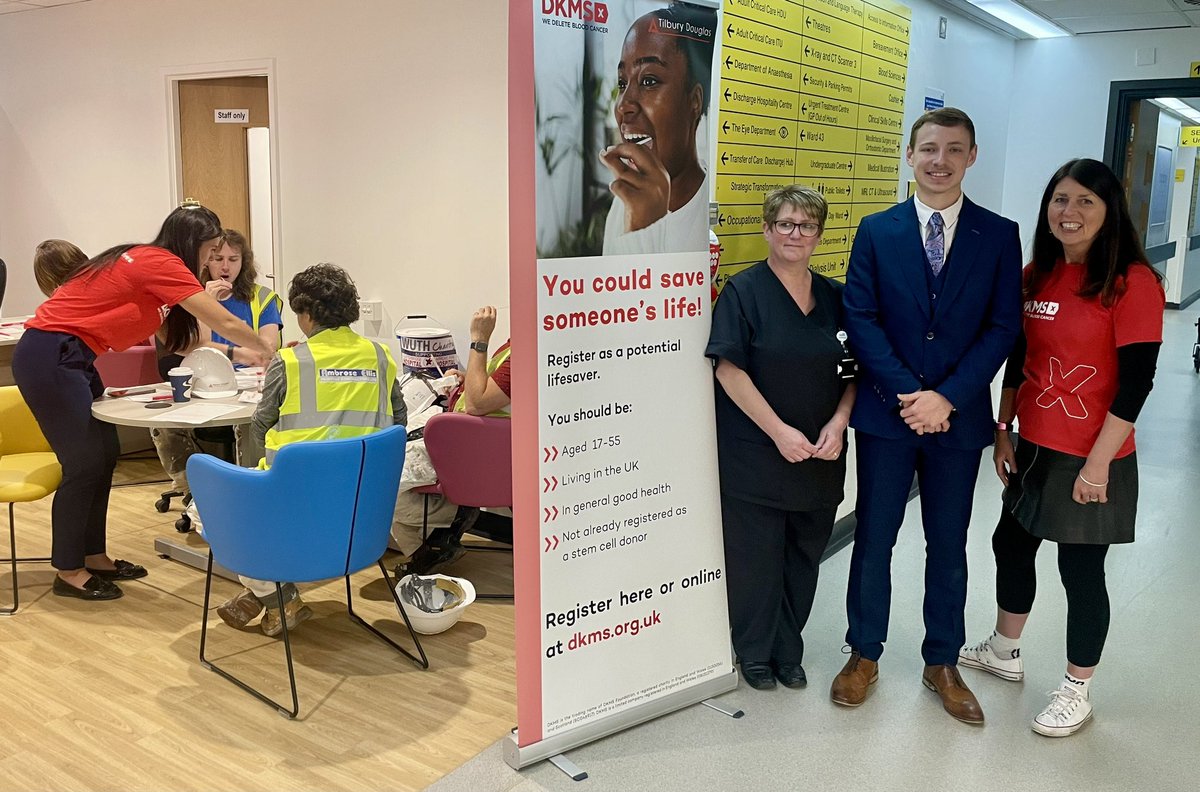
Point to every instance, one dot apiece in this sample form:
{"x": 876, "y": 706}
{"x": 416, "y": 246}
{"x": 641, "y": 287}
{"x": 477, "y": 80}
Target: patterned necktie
{"x": 935, "y": 244}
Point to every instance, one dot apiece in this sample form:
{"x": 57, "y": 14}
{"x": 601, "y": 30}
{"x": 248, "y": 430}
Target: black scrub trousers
{"x": 777, "y": 515}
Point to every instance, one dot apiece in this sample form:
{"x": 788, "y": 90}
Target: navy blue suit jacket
{"x": 955, "y": 344}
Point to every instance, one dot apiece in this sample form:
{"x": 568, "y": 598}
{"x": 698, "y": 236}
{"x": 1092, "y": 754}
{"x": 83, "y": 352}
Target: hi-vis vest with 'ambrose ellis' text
{"x": 339, "y": 385}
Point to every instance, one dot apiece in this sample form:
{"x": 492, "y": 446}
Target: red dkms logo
{"x": 587, "y": 10}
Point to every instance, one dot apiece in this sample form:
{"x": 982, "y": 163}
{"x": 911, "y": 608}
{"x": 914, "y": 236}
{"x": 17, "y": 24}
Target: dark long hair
{"x": 1116, "y": 247}
{"x": 182, "y": 234}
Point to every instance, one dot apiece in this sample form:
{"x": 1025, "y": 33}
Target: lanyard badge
{"x": 847, "y": 367}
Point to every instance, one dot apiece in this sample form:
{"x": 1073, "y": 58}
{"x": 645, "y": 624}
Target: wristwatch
{"x": 479, "y": 346}
{"x": 229, "y": 351}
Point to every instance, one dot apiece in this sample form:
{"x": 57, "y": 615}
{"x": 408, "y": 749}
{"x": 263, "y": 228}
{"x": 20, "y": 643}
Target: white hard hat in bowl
{"x": 434, "y": 603}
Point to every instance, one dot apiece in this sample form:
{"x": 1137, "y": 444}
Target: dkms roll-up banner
{"x": 620, "y": 604}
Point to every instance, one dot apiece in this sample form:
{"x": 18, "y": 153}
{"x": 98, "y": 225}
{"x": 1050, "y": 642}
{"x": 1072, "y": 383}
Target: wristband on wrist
{"x": 1004, "y": 426}
{"x": 1091, "y": 484}
{"x": 229, "y": 351}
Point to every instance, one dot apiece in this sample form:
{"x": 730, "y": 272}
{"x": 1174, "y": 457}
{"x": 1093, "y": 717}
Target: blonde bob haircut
{"x": 805, "y": 199}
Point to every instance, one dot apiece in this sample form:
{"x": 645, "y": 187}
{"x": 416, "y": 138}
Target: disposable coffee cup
{"x": 179, "y": 376}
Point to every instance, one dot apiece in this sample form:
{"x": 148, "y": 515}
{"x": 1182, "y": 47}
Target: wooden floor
{"x": 111, "y": 695}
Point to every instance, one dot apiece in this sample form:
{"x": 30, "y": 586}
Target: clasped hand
{"x": 925, "y": 411}
{"x": 795, "y": 447}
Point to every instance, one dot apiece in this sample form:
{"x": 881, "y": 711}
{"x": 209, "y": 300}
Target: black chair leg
{"x": 422, "y": 661}
{"x": 13, "y": 560}
{"x": 287, "y": 648}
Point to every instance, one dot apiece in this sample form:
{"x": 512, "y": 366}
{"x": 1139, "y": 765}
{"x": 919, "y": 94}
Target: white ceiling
{"x": 16, "y": 6}
{"x": 1107, "y": 16}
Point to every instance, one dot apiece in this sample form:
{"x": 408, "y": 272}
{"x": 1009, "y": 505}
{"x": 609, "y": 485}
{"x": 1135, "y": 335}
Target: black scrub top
{"x": 792, "y": 359}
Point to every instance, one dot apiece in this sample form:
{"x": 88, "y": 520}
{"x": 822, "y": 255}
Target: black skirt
{"x": 1039, "y": 497}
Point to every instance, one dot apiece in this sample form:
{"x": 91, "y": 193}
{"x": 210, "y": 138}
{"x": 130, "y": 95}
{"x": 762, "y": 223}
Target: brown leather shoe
{"x": 957, "y": 698}
{"x": 853, "y": 682}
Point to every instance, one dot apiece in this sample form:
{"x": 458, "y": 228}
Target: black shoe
{"x": 94, "y": 589}
{"x": 758, "y": 675}
{"x": 427, "y": 559}
{"x": 790, "y": 674}
{"x": 124, "y": 571}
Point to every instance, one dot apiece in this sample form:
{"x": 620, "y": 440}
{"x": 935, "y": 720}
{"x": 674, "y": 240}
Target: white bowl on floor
{"x": 433, "y": 623}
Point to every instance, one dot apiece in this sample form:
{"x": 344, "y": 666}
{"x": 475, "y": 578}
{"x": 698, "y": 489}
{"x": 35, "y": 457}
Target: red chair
{"x": 472, "y": 456}
{"x": 137, "y": 365}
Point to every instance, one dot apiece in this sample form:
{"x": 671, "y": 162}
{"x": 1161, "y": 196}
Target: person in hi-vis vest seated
{"x": 482, "y": 390}
{"x": 307, "y": 390}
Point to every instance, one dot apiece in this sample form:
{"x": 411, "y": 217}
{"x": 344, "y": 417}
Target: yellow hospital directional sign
{"x": 811, "y": 92}
{"x": 1189, "y": 136}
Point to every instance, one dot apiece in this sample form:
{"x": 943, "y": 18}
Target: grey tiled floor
{"x": 1146, "y": 730}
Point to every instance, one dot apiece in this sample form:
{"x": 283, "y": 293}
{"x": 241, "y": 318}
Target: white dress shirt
{"x": 949, "y": 221}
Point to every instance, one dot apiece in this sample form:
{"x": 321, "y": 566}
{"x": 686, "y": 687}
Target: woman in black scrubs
{"x": 782, "y": 411}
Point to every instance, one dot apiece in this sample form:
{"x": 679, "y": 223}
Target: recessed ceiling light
{"x": 1020, "y": 17}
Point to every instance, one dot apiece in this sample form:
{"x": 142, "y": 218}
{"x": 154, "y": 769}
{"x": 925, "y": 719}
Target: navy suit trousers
{"x": 946, "y": 478}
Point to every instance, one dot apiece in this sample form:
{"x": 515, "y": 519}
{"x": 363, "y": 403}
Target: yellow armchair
{"x": 29, "y": 470}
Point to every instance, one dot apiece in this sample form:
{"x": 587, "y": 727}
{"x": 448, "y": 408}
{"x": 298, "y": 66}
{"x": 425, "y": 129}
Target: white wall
{"x": 1060, "y": 103}
{"x": 974, "y": 66}
{"x": 391, "y": 131}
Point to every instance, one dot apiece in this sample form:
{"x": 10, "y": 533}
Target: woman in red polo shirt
{"x": 1076, "y": 382}
{"x": 114, "y": 301}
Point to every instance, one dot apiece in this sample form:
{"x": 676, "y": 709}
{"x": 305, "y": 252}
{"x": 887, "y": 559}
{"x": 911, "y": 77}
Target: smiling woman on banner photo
{"x": 660, "y": 186}
{"x": 784, "y": 397}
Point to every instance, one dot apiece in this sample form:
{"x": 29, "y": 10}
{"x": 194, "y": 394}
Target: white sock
{"x": 1005, "y": 648}
{"x": 1080, "y": 686}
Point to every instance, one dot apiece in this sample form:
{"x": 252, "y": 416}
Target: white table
{"x": 189, "y": 548}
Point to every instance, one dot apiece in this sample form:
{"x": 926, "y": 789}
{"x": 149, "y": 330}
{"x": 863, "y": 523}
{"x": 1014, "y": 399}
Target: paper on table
{"x": 198, "y": 413}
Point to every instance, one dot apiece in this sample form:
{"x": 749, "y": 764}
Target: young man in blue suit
{"x": 933, "y": 307}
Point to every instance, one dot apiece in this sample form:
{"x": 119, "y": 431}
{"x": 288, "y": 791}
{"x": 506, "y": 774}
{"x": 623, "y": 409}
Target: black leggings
{"x": 1081, "y": 567}
{"x": 57, "y": 380}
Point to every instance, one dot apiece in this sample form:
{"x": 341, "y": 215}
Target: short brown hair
{"x": 806, "y": 199}
{"x": 54, "y": 262}
{"x": 946, "y": 117}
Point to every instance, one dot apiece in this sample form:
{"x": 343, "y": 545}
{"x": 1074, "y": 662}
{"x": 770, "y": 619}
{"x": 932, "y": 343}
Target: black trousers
{"x": 55, "y": 375}
{"x": 1081, "y": 567}
{"x": 771, "y": 562}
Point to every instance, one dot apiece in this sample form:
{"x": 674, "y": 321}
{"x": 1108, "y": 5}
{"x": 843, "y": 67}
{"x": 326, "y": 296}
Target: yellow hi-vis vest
{"x": 494, "y": 363}
{"x": 338, "y": 385}
{"x": 262, "y": 297}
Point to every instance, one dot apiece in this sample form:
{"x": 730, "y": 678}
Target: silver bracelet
{"x": 1090, "y": 484}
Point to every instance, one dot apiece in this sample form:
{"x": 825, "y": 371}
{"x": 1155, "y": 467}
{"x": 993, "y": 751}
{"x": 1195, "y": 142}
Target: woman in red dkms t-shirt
{"x": 1075, "y": 383}
{"x": 115, "y": 300}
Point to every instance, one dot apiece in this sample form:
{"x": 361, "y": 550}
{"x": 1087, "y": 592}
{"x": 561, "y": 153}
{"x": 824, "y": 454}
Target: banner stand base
{"x": 568, "y": 767}
{"x": 735, "y": 714}
{"x": 518, "y": 756}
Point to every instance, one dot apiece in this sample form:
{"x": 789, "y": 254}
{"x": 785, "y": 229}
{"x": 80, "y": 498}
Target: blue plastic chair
{"x": 330, "y": 513}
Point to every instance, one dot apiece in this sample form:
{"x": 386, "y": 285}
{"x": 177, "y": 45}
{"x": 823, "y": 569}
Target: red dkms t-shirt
{"x": 1071, "y": 361}
{"x": 122, "y": 304}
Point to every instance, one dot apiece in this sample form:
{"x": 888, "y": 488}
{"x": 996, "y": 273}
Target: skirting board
{"x": 517, "y": 756}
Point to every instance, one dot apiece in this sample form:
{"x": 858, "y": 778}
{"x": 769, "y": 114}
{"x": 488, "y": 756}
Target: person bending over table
{"x": 229, "y": 276}
{"x": 115, "y": 300}
{"x": 483, "y": 390}
{"x": 782, "y": 411}
{"x": 348, "y": 374}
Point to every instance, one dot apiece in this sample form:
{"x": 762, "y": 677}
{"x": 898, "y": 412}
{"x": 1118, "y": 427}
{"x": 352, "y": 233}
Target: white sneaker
{"x": 982, "y": 656}
{"x": 1067, "y": 712}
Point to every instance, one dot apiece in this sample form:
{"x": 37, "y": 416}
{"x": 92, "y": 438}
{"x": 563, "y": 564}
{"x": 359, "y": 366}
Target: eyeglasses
{"x": 786, "y": 227}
